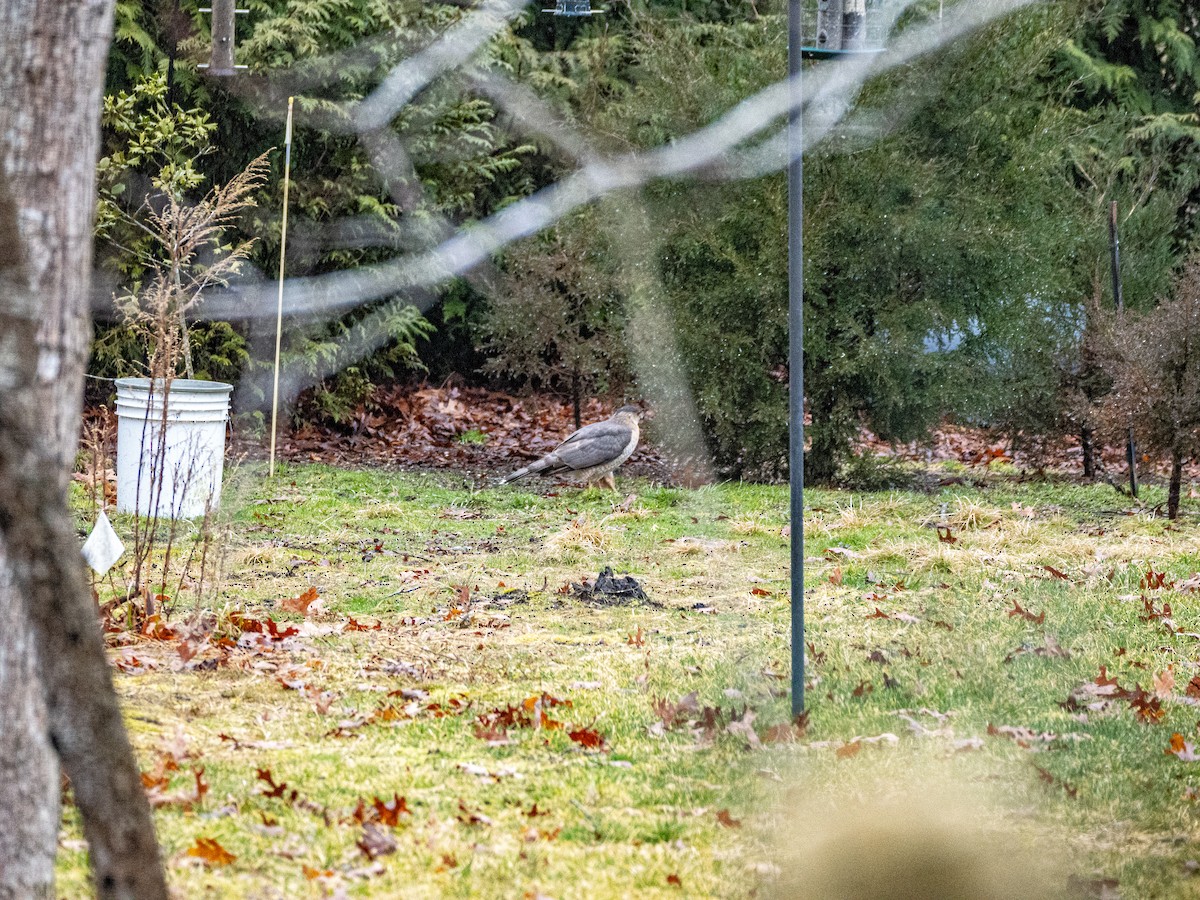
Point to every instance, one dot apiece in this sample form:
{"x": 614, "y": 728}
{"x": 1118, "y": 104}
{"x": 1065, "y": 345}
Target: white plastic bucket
{"x": 181, "y": 477}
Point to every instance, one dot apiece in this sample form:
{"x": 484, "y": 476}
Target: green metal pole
{"x": 796, "y": 351}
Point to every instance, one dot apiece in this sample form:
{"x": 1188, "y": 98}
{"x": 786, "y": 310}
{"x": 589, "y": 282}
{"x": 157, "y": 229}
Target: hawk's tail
{"x": 532, "y": 469}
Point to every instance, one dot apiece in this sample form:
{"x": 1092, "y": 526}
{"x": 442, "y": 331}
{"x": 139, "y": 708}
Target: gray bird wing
{"x": 594, "y": 445}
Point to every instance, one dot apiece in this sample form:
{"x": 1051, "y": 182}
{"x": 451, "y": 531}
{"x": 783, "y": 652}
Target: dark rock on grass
{"x": 611, "y": 590}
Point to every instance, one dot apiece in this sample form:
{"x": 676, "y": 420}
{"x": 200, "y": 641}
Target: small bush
{"x": 1153, "y": 358}
{"x": 557, "y": 317}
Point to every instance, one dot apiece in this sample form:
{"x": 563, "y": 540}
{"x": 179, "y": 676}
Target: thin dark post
{"x": 221, "y": 60}
{"x": 796, "y": 349}
{"x": 1119, "y": 298}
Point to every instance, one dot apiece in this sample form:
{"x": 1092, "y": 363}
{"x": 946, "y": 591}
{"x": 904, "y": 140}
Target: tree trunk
{"x": 51, "y": 79}
{"x": 1089, "y": 456}
{"x": 576, "y": 399}
{"x": 829, "y": 436}
{"x": 28, "y": 775}
{"x": 1176, "y": 483}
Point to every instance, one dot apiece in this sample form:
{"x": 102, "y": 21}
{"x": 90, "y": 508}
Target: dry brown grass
{"x": 580, "y": 535}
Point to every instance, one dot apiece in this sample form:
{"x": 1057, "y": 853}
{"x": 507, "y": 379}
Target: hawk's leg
{"x": 609, "y": 481}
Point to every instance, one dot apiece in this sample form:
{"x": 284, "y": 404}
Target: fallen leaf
{"x": 1164, "y": 683}
{"x": 864, "y": 687}
{"x": 376, "y": 842}
{"x": 1049, "y": 778}
{"x": 299, "y": 604}
{"x": 469, "y": 817}
{"x": 1146, "y": 707}
{"x": 388, "y": 712}
{"x": 1050, "y": 649}
{"x": 210, "y": 852}
{"x": 1153, "y": 581}
{"x": 846, "y": 552}
{"x": 1027, "y": 615}
{"x": 788, "y": 732}
{"x": 745, "y": 728}
{"x": 587, "y": 737}
{"x": 273, "y": 790}
{"x": 1025, "y": 737}
{"x": 1189, "y": 585}
{"x": 390, "y": 811}
{"x": 495, "y": 737}
{"x": 131, "y": 665}
{"x": 1185, "y": 750}
{"x": 269, "y": 628}
{"x": 673, "y": 714}
{"x": 201, "y": 784}
{"x": 725, "y": 820}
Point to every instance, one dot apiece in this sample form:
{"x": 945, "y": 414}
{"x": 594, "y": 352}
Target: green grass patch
{"x": 950, "y": 632}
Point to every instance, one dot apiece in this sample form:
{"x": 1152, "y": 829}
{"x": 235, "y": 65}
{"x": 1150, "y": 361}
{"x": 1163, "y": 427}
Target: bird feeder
{"x": 837, "y": 28}
{"x": 573, "y": 8}
{"x": 224, "y": 13}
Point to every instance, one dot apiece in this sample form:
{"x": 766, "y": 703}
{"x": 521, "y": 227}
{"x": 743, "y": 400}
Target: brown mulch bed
{"x": 980, "y": 447}
{"x": 486, "y": 433}
{"x": 482, "y": 434}
{"x": 475, "y": 431}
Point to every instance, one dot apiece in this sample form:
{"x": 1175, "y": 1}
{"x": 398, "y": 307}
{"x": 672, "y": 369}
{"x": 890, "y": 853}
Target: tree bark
{"x": 576, "y": 399}
{"x": 56, "y": 686}
{"x": 1085, "y": 444}
{"x": 28, "y": 776}
{"x": 829, "y": 436}
{"x": 1176, "y": 483}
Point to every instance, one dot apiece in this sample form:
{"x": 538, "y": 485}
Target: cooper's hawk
{"x": 592, "y": 453}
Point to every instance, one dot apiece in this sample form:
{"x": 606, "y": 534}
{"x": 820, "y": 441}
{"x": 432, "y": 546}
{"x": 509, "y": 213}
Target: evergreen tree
{"x": 445, "y": 159}
{"x": 941, "y": 239}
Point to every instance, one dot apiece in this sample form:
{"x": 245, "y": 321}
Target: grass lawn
{"x": 499, "y": 736}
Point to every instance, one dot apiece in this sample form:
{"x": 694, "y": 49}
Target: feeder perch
{"x": 573, "y": 8}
